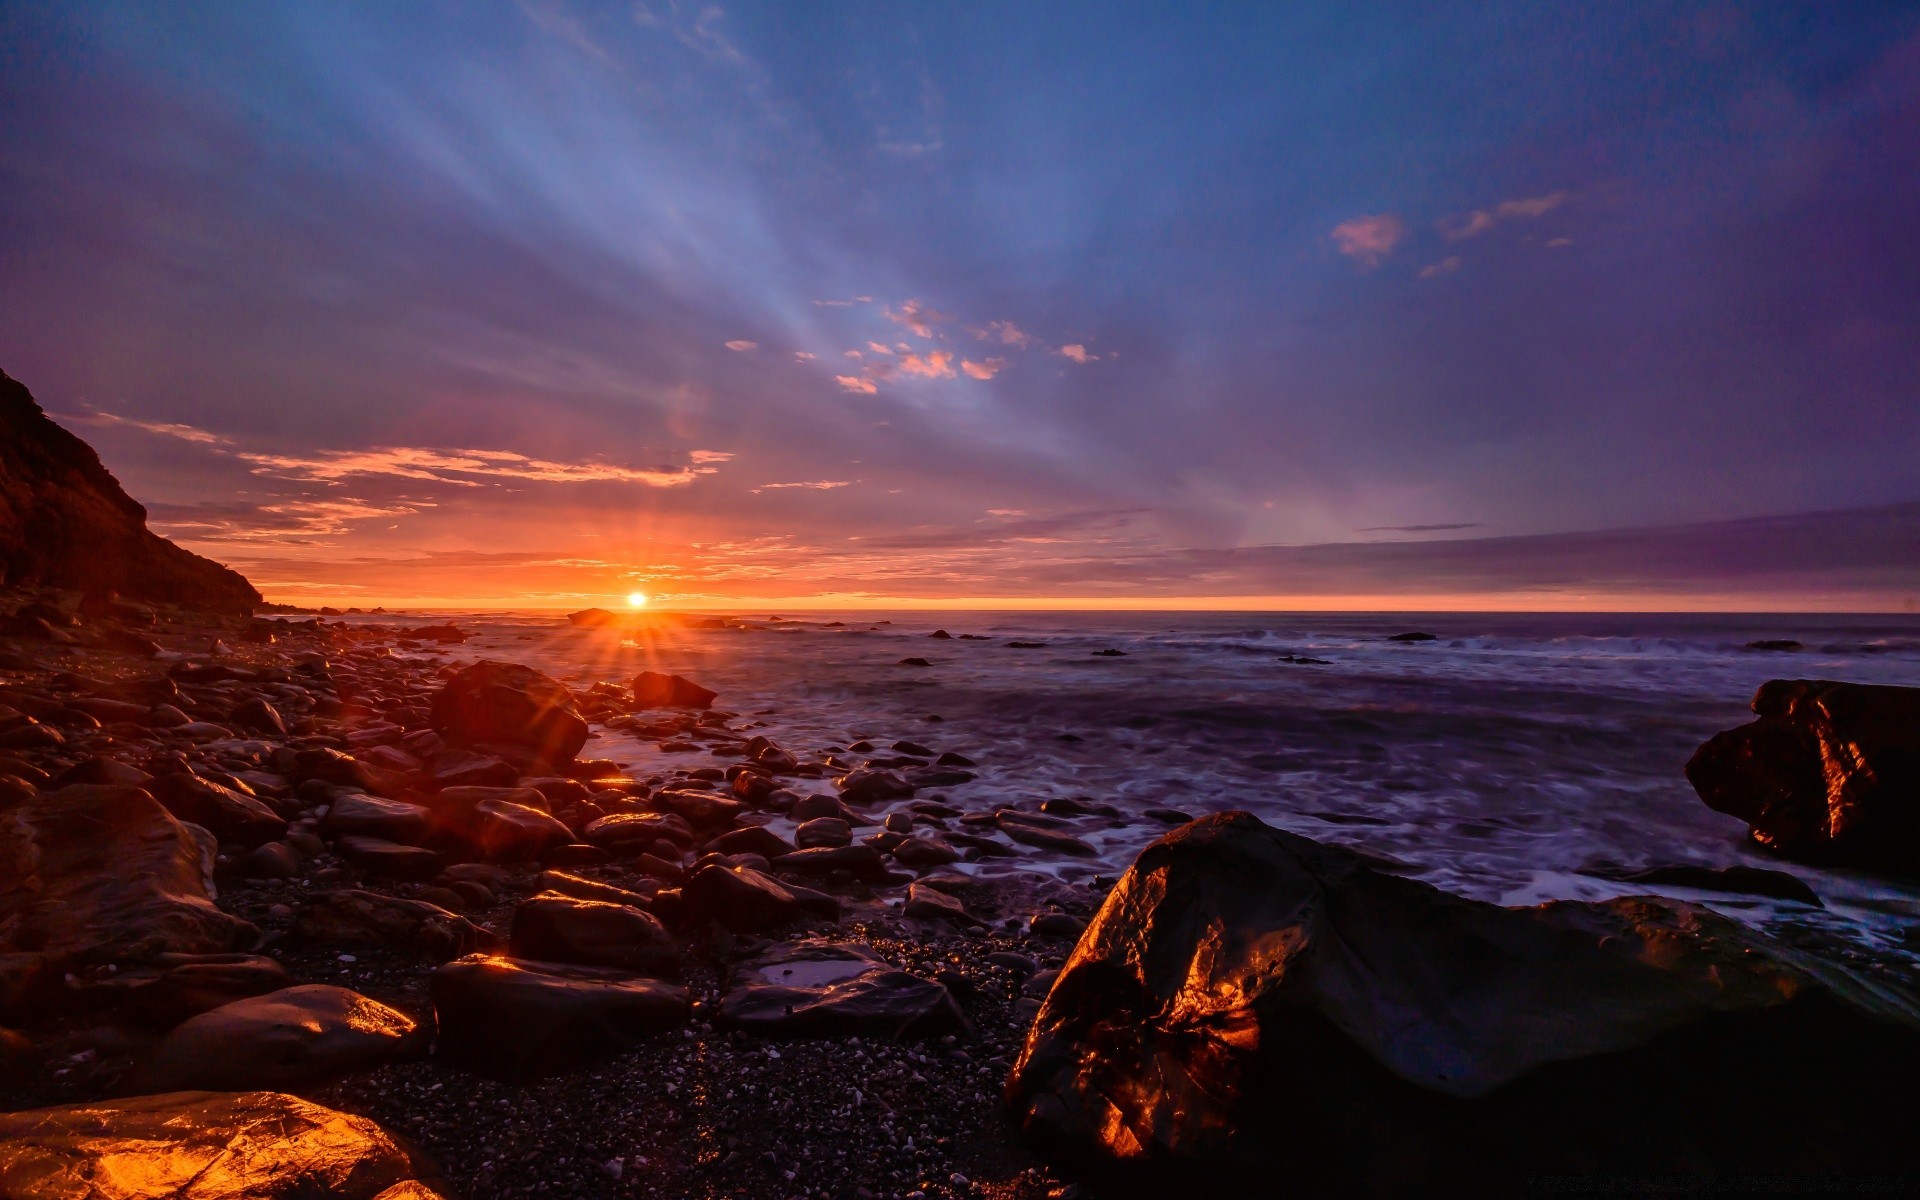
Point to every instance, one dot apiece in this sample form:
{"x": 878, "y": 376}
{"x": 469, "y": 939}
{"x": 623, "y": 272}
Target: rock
{"x": 271, "y": 860}
{"x": 630, "y": 831}
{"x": 517, "y": 1020}
{"x": 591, "y": 889}
{"x": 1786, "y": 644}
{"x": 552, "y": 927}
{"x": 97, "y": 769}
{"x": 823, "y": 831}
{"x": 941, "y": 634}
{"x": 65, "y": 522}
{"x": 350, "y": 917}
{"x": 232, "y": 816}
{"x": 509, "y": 704}
{"x": 359, "y": 815}
{"x": 1747, "y": 881}
{"x": 463, "y": 768}
{"x": 258, "y": 716}
{"x": 752, "y": 839}
{"x": 914, "y": 660}
{"x": 651, "y": 689}
{"x": 826, "y": 989}
{"x": 740, "y": 898}
{"x": 98, "y": 875}
{"x": 593, "y": 618}
{"x": 1056, "y": 925}
{"x": 1414, "y": 636}
{"x": 808, "y": 808}
{"x": 862, "y": 862}
{"x": 869, "y": 786}
{"x": 289, "y": 1038}
{"x": 925, "y": 851}
{"x": 1829, "y": 773}
{"x": 499, "y": 824}
{"x": 390, "y": 860}
{"x": 173, "y": 987}
{"x": 1259, "y": 1014}
{"x": 700, "y": 809}
{"x": 926, "y": 904}
{"x": 204, "y": 1146}
{"x": 1028, "y": 829}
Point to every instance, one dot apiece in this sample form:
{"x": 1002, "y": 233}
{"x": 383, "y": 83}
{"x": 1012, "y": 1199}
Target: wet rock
{"x": 1413, "y": 636}
{"x": 926, "y": 904}
{"x": 741, "y": 899}
{"x": 390, "y": 860}
{"x": 499, "y": 824}
{"x": 823, "y": 831}
{"x": 825, "y": 989}
{"x": 925, "y": 851}
{"x": 651, "y": 689}
{"x": 593, "y": 618}
{"x": 1255, "y": 1012}
{"x": 862, "y": 862}
{"x": 516, "y": 1020}
{"x": 231, "y": 815}
{"x": 699, "y": 809}
{"x": 1830, "y": 772}
{"x": 1746, "y": 881}
{"x": 1033, "y": 830}
{"x": 633, "y": 832}
{"x": 296, "y": 1036}
{"x": 464, "y": 768}
{"x": 351, "y": 917}
{"x": 868, "y": 786}
{"x": 212, "y": 1145}
{"x": 1056, "y": 925}
{"x": 808, "y": 808}
{"x": 1778, "y": 644}
{"x": 508, "y": 704}
{"x": 914, "y": 661}
{"x": 173, "y": 987}
{"x": 753, "y": 839}
{"x": 98, "y": 875}
{"x": 592, "y": 889}
{"x": 360, "y": 815}
{"x": 552, "y": 927}
{"x": 103, "y": 771}
{"x": 258, "y": 716}
{"x": 270, "y": 860}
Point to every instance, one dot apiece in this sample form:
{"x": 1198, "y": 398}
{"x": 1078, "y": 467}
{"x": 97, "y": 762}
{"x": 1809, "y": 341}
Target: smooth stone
{"x": 359, "y": 814}
{"x": 869, "y": 786}
{"x": 822, "y": 831}
{"x": 352, "y": 918}
{"x": 289, "y": 1038}
{"x": 553, "y": 927}
{"x": 501, "y": 703}
{"x": 651, "y": 689}
{"x": 390, "y": 860}
{"x": 862, "y": 862}
{"x": 824, "y": 989}
{"x": 740, "y": 898}
{"x": 518, "y": 1020}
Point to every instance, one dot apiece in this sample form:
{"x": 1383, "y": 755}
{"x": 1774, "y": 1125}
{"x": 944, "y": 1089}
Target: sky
{"x": 537, "y": 304}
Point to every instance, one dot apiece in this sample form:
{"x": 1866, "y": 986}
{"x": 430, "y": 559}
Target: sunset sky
{"x": 536, "y": 304}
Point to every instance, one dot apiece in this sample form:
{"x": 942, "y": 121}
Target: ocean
{"x": 1506, "y": 759}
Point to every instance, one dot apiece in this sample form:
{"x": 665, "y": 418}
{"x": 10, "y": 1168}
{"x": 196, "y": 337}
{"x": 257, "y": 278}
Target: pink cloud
{"x": 917, "y": 317}
{"x": 1078, "y": 353}
{"x": 1477, "y": 222}
{"x": 1369, "y": 240}
{"x": 803, "y": 355}
{"x": 1007, "y": 332}
{"x": 938, "y": 364}
{"x": 984, "y": 370}
{"x": 855, "y": 383}
{"x": 1445, "y": 266}
{"x": 742, "y": 345}
{"x": 877, "y": 348}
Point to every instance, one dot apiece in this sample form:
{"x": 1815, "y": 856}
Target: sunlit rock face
{"x": 1830, "y": 772}
{"x": 204, "y": 1146}
{"x": 1261, "y": 1012}
{"x": 65, "y": 522}
{"x": 101, "y": 874}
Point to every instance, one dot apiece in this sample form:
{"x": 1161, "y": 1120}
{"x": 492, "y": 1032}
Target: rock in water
{"x": 496, "y": 703}
{"x": 651, "y": 689}
{"x": 517, "y": 1020}
{"x": 94, "y": 875}
{"x": 65, "y": 522}
{"x": 553, "y": 927}
{"x": 295, "y": 1036}
{"x": 827, "y": 989}
{"x": 1273, "y": 1016}
{"x": 1829, "y": 773}
{"x": 203, "y": 1146}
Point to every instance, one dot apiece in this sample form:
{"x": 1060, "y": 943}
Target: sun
{"x": 636, "y": 599}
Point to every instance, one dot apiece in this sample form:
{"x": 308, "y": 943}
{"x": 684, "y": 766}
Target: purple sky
{"x": 544, "y": 302}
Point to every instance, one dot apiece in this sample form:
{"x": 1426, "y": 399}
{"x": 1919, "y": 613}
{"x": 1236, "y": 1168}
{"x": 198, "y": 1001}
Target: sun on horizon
{"x": 636, "y": 599}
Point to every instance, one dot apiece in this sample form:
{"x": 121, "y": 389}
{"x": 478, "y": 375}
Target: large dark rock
{"x": 351, "y": 917}
{"x": 65, "y": 522}
{"x": 288, "y": 1038}
{"x": 499, "y": 824}
{"x": 357, "y": 814}
{"x": 173, "y": 987}
{"x": 826, "y": 989}
{"x": 506, "y": 704}
{"x": 1256, "y": 1012}
{"x": 231, "y": 815}
{"x": 1830, "y": 772}
{"x": 101, "y": 875}
{"x": 205, "y": 1146}
{"x": 742, "y": 899}
{"x": 516, "y": 1020}
{"x": 651, "y": 689}
{"x": 553, "y": 927}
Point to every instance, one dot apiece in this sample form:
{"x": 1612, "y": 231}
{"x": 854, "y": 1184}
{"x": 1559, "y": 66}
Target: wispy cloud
{"x": 185, "y": 433}
{"x": 1480, "y": 220}
{"x": 1437, "y": 528}
{"x": 701, "y": 458}
{"x": 1368, "y": 240}
{"x": 844, "y": 303}
{"x": 855, "y": 383}
{"x": 462, "y": 466}
{"x": 1445, "y": 266}
{"x": 1078, "y": 353}
{"x": 1004, "y": 331}
{"x": 878, "y": 348}
{"x": 815, "y": 485}
{"x": 742, "y": 345}
{"x": 293, "y": 521}
{"x": 936, "y": 364}
{"x": 917, "y": 317}
{"x": 984, "y": 370}
{"x": 804, "y": 355}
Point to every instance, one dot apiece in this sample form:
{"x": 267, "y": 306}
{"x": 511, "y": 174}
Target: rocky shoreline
{"x": 339, "y": 881}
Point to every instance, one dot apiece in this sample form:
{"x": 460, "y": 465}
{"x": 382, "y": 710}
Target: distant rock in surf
{"x": 651, "y": 689}
{"x": 1775, "y": 644}
{"x": 65, "y": 522}
{"x": 1415, "y": 636}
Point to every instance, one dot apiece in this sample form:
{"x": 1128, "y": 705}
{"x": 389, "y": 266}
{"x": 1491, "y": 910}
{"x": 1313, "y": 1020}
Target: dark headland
{"x": 297, "y": 907}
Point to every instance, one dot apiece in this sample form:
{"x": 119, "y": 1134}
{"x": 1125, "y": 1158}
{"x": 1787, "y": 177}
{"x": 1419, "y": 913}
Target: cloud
{"x": 1421, "y": 528}
{"x": 1005, "y": 331}
{"x": 937, "y": 364}
{"x": 816, "y": 485}
{"x": 701, "y": 458}
{"x": 1445, "y": 266}
{"x": 984, "y": 370}
{"x": 741, "y": 345}
{"x": 855, "y": 383}
{"x": 854, "y": 354}
{"x": 804, "y": 355}
{"x": 455, "y": 466}
{"x": 877, "y": 348}
{"x": 293, "y": 521}
{"x": 1078, "y": 353}
{"x": 1368, "y": 240}
{"x": 1477, "y": 222}
{"x": 185, "y": 433}
{"x": 917, "y": 317}
{"x": 844, "y": 303}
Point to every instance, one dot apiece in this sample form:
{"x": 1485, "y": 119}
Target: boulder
{"x": 173, "y": 987}
{"x": 464, "y": 768}
{"x": 925, "y": 851}
{"x": 390, "y": 860}
{"x": 592, "y": 889}
{"x": 1256, "y": 1013}
{"x": 740, "y": 898}
{"x": 651, "y": 689}
{"x": 826, "y": 989}
{"x": 232, "y": 816}
{"x": 65, "y": 522}
{"x": 636, "y": 831}
{"x": 1033, "y": 829}
{"x": 699, "y": 809}
{"x": 499, "y": 824}
{"x": 862, "y": 862}
{"x": 869, "y": 786}
{"x": 1829, "y": 773}
{"x": 99, "y": 875}
{"x": 516, "y": 1020}
{"x": 351, "y": 917}
{"x": 204, "y": 1146}
{"x": 508, "y": 704}
{"x": 751, "y": 839}
{"x": 258, "y": 716}
{"x": 822, "y": 831}
{"x": 552, "y": 927}
{"x": 289, "y": 1038}
{"x": 357, "y": 814}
